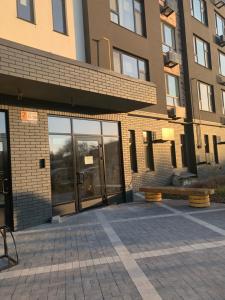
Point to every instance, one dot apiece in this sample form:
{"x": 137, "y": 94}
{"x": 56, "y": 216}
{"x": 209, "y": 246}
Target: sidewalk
{"x": 129, "y": 251}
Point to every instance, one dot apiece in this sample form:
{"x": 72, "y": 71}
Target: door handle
{"x": 5, "y": 187}
{"x": 80, "y": 178}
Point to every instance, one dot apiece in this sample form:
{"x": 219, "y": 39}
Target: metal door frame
{"x": 97, "y": 138}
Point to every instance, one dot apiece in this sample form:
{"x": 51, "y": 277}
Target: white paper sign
{"x": 23, "y": 2}
{"x": 88, "y": 160}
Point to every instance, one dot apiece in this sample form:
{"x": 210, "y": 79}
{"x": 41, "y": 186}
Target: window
{"x": 201, "y": 50}
{"x": 220, "y": 25}
{"x": 172, "y": 90}
{"x": 198, "y": 10}
{"x": 59, "y": 16}
{"x": 215, "y": 148}
{"x": 206, "y": 140}
{"x": 223, "y": 101}
{"x": 133, "y": 154}
{"x": 25, "y": 10}
{"x": 148, "y": 150}
{"x": 222, "y": 63}
{"x": 173, "y": 154}
{"x": 168, "y": 37}
{"x": 129, "y": 65}
{"x": 206, "y": 98}
{"x": 129, "y": 14}
{"x": 183, "y": 150}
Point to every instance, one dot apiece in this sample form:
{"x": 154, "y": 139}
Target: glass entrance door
{"x": 89, "y": 171}
{"x": 4, "y": 173}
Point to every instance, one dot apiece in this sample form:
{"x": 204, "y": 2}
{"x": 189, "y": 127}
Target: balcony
{"x": 219, "y": 3}
{"x": 220, "y": 40}
{"x": 172, "y": 59}
{"x": 34, "y": 74}
{"x": 220, "y": 79}
{"x": 167, "y": 7}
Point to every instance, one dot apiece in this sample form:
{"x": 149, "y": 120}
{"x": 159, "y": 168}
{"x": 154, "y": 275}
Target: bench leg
{"x": 199, "y": 201}
{"x": 153, "y": 197}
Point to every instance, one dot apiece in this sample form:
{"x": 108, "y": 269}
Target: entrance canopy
{"x": 40, "y": 75}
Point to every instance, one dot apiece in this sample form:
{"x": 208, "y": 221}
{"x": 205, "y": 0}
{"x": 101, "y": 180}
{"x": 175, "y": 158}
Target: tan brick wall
{"x": 42, "y": 67}
{"x": 212, "y": 169}
{"x": 29, "y": 143}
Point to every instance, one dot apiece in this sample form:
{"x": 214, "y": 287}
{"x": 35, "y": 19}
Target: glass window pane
{"x": 219, "y": 25}
{"x": 2, "y": 123}
{"x": 199, "y": 10}
{"x": 205, "y": 96}
{"x": 61, "y": 160}
{"x": 25, "y": 10}
{"x": 168, "y": 36}
{"x": 112, "y": 163}
{"x": 114, "y": 17}
{"x": 222, "y": 64}
{"x": 138, "y": 23}
{"x": 92, "y": 185}
{"x": 116, "y": 61}
{"x": 87, "y": 127}
{"x": 59, "y": 125}
{"x": 110, "y": 128}
{"x": 130, "y": 66}
{"x": 126, "y": 14}
{"x": 223, "y": 101}
{"x": 59, "y": 15}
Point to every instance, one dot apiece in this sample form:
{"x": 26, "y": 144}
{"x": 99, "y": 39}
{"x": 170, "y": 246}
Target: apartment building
{"x": 96, "y": 101}
{"x": 203, "y": 36}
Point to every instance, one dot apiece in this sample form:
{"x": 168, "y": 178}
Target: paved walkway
{"x": 130, "y": 251}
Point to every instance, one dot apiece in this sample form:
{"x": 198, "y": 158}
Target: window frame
{"x": 32, "y": 11}
{"x": 183, "y": 149}
{"x": 220, "y": 70}
{"x": 64, "y": 13}
{"x": 204, "y": 12}
{"x": 138, "y": 60}
{"x": 176, "y": 99}
{"x": 206, "y": 52}
{"x": 216, "y": 24}
{"x": 134, "y": 10}
{"x": 210, "y": 92}
{"x": 215, "y": 150}
{"x": 223, "y": 100}
{"x": 173, "y": 48}
{"x": 148, "y": 150}
{"x": 133, "y": 151}
{"x": 173, "y": 154}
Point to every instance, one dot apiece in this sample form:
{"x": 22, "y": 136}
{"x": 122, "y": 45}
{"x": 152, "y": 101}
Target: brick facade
{"x": 31, "y": 186}
{"x": 44, "y": 68}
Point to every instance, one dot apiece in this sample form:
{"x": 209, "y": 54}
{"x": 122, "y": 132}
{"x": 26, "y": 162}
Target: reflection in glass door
{"x": 89, "y": 171}
{"x": 86, "y": 168}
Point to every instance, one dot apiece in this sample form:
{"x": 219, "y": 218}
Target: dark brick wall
{"x": 41, "y": 67}
{"x": 31, "y": 185}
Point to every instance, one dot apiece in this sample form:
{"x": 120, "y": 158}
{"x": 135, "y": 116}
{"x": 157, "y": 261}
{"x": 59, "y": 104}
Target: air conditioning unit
{"x": 168, "y": 7}
{"x": 219, "y": 3}
{"x": 220, "y": 40}
{"x": 177, "y": 112}
{"x": 220, "y": 79}
{"x": 166, "y": 134}
{"x": 171, "y": 59}
{"x": 222, "y": 120}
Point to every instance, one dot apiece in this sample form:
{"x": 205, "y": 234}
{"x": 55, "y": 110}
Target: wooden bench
{"x": 198, "y": 197}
